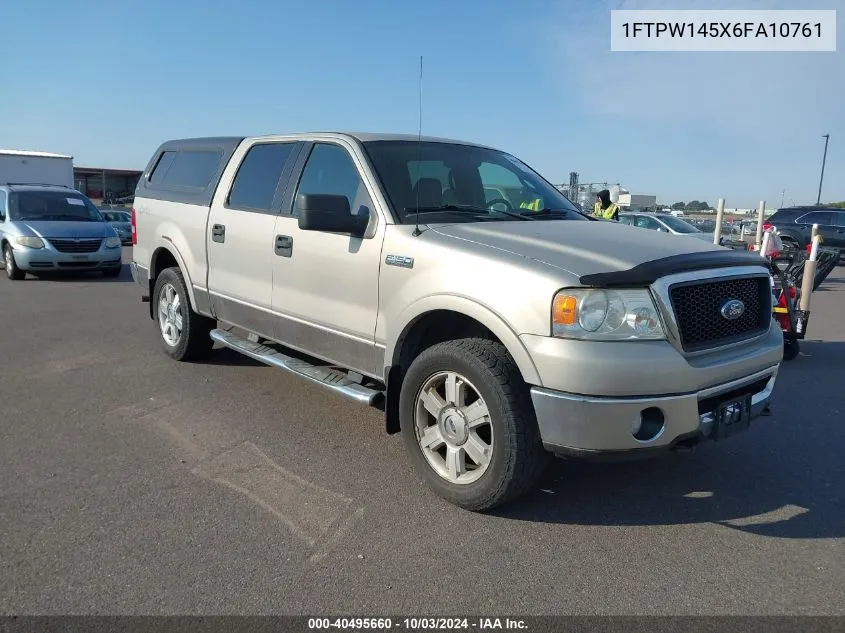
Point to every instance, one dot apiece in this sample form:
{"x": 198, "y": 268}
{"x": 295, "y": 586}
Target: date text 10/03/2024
{"x": 417, "y": 624}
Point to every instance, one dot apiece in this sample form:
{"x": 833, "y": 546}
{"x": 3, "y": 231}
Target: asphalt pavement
{"x": 132, "y": 484}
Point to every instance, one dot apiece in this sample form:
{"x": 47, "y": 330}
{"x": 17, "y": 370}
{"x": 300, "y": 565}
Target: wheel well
{"x": 161, "y": 260}
{"x": 427, "y": 330}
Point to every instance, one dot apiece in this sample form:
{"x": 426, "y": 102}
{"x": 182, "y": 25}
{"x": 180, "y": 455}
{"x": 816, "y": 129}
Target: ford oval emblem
{"x": 732, "y": 309}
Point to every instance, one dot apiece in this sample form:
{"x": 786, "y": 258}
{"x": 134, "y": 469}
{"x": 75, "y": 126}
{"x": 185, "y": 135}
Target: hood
{"x": 68, "y": 229}
{"x": 578, "y": 248}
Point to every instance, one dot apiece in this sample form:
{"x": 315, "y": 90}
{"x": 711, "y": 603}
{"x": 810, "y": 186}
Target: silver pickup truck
{"x": 453, "y": 287}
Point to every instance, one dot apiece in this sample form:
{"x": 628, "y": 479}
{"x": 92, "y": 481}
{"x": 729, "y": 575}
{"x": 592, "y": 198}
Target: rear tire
{"x": 469, "y": 425}
{"x": 184, "y": 333}
{"x": 12, "y": 271}
{"x": 791, "y": 349}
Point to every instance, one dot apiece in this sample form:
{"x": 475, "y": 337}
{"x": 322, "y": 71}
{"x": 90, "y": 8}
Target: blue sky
{"x": 108, "y": 81}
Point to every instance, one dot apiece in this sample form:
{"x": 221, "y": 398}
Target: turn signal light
{"x": 134, "y": 230}
{"x": 565, "y": 310}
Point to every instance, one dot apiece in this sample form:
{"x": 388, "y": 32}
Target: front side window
{"x": 822, "y": 218}
{"x": 2, "y": 205}
{"x": 646, "y": 223}
{"x": 52, "y": 206}
{"x": 451, "y": 182}
{"x": 258, "y": 176}
{"x": 330, "y": 170}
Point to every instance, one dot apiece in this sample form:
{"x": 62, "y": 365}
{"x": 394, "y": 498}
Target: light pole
{"x": 826, "y": 138}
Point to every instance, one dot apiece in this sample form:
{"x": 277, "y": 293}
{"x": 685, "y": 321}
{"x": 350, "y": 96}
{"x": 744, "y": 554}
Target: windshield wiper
{"x": 445, "y": 207}
{"x": 545, "y": 211}
{"x": 68, "y": 216}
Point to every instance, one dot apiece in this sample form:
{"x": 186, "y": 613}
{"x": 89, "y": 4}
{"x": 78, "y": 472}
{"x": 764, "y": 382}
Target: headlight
{"x": 605, "y": 315}
{"x": 112, "y": 242}
{"x": 30, "y": 242}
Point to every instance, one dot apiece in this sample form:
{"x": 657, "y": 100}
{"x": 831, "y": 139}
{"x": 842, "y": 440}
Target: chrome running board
{"x": 332, "y": 378}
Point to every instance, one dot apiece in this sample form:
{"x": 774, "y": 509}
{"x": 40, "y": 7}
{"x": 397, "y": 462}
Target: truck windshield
{"x": 450, "y": 182}
{"x": 52, "y": 206}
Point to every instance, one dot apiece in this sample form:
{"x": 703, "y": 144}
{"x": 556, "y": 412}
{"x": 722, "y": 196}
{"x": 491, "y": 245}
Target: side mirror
{"x": 329, "y": 214}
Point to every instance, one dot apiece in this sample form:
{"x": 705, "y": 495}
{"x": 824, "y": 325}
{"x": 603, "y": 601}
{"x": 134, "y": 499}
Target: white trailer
{"x": 42, "y": 168}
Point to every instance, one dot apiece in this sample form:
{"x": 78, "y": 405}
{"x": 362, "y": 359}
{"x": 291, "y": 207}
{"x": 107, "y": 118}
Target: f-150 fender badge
{"x": 399, "y": 260}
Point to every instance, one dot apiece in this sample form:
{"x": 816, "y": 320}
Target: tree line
{"x": 694, "y": 205}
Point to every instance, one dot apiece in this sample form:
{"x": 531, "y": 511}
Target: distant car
{"x": 665, "y": 223}
{"x": 795, "y": 226}
{"x": 49, "y": 228}
{"x": 121, "y": 222}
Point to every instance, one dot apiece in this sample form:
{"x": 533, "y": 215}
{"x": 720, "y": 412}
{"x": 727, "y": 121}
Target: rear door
{"x": 325, "y": 285}
{"x": 240, "y": 233}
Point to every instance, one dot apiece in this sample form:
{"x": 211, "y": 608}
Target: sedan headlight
{"x": 112, "y": 242}
{"x": 30, "y": 242}
{"x": 606, "y": 315}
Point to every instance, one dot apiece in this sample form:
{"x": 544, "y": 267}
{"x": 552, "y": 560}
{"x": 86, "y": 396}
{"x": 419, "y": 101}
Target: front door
{"x": 240, "y": 234}
{"x": 831, "y": 237}
{"x": 325, "y": 285}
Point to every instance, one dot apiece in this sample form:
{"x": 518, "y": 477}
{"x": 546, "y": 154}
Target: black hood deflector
{"x": 648, "y": 272}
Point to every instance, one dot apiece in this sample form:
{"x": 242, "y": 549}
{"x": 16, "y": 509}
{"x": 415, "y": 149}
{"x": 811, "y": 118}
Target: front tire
{"x": 12, "y": 271}
{"x": 469, "y": 424}
{"x": 184, "y": 333}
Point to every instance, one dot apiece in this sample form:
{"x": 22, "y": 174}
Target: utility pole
{"x": 826, "y": 138}
{"x": 782, "y": 194}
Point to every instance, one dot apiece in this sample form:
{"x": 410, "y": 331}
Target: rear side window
{"x": 258, "y": 176}
{"x": 824, "y": 218}
{"x": 839, "y": 218}
{"x": 186, "y": 168}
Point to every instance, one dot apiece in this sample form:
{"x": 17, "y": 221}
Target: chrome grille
{"x": 76, "y": 246}
{"x": 698, "y": 311}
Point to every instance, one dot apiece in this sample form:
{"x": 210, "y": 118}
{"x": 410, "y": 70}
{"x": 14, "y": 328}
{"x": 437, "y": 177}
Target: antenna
{"x": 419, "y": 148}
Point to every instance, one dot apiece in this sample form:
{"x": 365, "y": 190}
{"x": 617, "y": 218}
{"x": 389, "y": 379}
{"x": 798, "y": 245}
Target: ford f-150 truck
{"x": 452, "y": 286}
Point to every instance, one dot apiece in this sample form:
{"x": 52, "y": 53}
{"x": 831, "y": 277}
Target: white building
{"x": 636, "y": 201}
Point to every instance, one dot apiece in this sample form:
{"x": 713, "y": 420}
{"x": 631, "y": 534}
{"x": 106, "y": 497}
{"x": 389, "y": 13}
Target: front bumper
{"x": 48, "y": 259}
{"x": 601, "y": 427}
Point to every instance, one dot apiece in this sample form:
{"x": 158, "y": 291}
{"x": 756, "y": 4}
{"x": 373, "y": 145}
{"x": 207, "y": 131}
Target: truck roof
{"x": 19, "y": 152}
{"x": 363, "y": 137}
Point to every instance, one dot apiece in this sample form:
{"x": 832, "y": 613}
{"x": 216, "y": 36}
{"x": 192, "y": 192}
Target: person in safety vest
{"x": 534, "y": 205}
{"x": 604, "y": 208}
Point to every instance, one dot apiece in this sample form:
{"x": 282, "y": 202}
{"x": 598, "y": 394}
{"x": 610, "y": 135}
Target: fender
{"x": 471, "y": 308}
{"x": 165, "y": 242}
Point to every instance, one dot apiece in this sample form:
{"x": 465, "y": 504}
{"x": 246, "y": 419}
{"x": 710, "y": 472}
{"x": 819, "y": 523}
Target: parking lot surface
{"x": 132, "y": 484}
